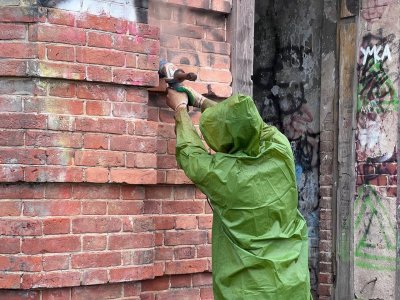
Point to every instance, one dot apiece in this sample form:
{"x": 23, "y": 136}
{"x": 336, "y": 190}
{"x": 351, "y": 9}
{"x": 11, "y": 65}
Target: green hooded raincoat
{"x": 259, "y": 238}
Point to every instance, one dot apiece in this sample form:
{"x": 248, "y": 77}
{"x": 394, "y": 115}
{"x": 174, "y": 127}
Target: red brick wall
{"x": 92, "y": 202}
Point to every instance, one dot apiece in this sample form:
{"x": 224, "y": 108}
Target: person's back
{"x": 259, "y": 247}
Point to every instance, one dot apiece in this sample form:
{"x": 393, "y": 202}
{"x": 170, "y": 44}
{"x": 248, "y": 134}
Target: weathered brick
{"x": 57, "y": 34}
{"x": 131, "y": 273}
{"x": 102, "y": 23}
{"x": 135, "y": 77}
{"x": 12, "y": 31}
{"x": 96, "y": 224}
{"x": 56, "y": 226}
{"x": 130, "y": 241}
{"x": 100, "y": 56}
{"x": 94, "y": 277}
{"x": 50, "y": 280}
{"x": 186, "y": 237}
{"x": 51, "y": 245}
{"x": 98, "y": 73}
{"x": 98, "y": 39}
{"x": 62, "y": 53}
{"x": 186, "y": 267}
{"x": 132, "y": 176}
{"x": 94, "y": 242}
{"x": 97, "y": 175}
{"x": 95, "y": 260}
{"x": 53, "y": 106}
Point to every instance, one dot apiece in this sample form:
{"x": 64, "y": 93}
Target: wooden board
{"x": 241, "y": 37}
{"x": 349, "y": 8}
{"x": 346, "y": 158}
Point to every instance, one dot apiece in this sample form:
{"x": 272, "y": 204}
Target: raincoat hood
{"x": 233, "y": 126}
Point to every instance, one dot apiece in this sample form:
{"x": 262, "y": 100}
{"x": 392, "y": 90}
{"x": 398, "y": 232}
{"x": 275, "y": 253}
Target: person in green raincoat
{"x": 259, "y": 238}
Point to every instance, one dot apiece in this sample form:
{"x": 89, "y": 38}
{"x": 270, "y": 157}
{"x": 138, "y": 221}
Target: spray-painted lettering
{"x": 375, "y": 52}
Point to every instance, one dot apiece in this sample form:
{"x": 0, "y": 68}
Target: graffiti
{"x": 375, "y": 53}
{"x": 375, "y": 232}
{"x": 132, "y": 10}
{"x": 377, "y": 101}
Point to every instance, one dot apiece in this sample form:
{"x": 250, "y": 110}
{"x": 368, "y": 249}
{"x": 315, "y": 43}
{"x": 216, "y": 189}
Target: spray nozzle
{"x": 174, "y": 76}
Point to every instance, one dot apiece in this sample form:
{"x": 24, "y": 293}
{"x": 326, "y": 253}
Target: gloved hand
{"x": 195, "y": 98}
{"x": 176, "y": 100}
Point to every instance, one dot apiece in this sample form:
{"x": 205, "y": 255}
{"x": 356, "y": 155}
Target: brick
{"x": 202, "y": 279}
{"x": 125, "y": 207}
{"x": 129, "y": 110}
{"x": 56, "y": 294}
{"x": 167, "y": 162}
{"x": 138, "y": 257}
{"x": 132, "y": 192}
{"x": 215, "y": 75}
{"x": 92, "y": 277}
{"x": 133, "y": 176}
{"x": 20, "y": 294}
{"x": 164, "y": 253}
{"x": 100, "y": 56}
{"x": 95, "y": 141}
{"x": 116, "y": 126}
{"x": 18, "y": 14}
{"x": 50, "y": 280}
{"x": 18, "y": 50}
{"x": 13, "y": 68}
{"x": 183, "y": 57}
{"x": 11, "y": 174}
{"x": 94, "y": 242}
{"x": 96, "y": 225}
{"x": 56, "y": 226}
{"x": 61, "y": 123}
{"x": 61, "y": 53}
{"x": 136, "y": 44}
{"x": 48, "y": 69}
{"x": 100, "y": 40}
{"x": 11, "y": 138}
{"x": 97, "y": 292}
{"x": 184, "y": 252}
{"x": 53, "y": 106}
{"x": 220, "y": 90}
{"x": 98, "y": 73}
{"x": 62, "y": 157}
{"x": 157, "y": 284}
{"x": 145, "y": 128}
{"x": 102, "y": 23}
{"x": 10, "y": 208}
{"x": 12, "y": 31}
{"x": 92, "y": 191}
{"x": 131, "y": 273}
{"x": 22, "y": 121}
{"x": 51, "y": 245}
{"x": 53, "y": 174}
{"x": 185, "y": 30}
{"x": 94, "y": 207}
{"x": 185, "y": 222}
{"x": 185, "y": 237}
{"x": 183, "y": 207}
{"x": 224, "y": 6}
{"x": 97, "y": 175}
{"x": 141, "y": 160}
{"x": 95, "y": 260}
{"x": 97, "y": 108}
{"x": 58, "y": 191}
{"x": 99, "y": 158}
{"x": 145, "y": 30}
{"x": 133, "y": 144}
{"x": 57, "y": 34}
{"x": 62, "y": 89}
{"x": 204, "y": 251}
{"x": 130, "y": 241}
{"x": 9, "y": 281}
{"x": 20, "y": 227}
{"x": 205, "y": 222}
{"x": 100, "y": 92}
{"x": 135, "y": 77}
{"x": 21, "y": 191}
{"x": 9, "y": 245}
{"x": 55, "y": 262}
{"x": 186, "y": 267}
{"x": 21, "y": 263}
{"x": 60, "y": 17}
{"x": 148, "y": 62}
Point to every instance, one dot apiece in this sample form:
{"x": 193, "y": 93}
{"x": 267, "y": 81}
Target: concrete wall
{"x": 287, "y": 92}
{"x": 376, "y": 142}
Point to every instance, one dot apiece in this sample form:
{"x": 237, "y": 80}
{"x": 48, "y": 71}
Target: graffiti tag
{"x": 374, "y": 51}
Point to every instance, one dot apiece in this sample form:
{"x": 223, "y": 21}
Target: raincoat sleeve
{"x": 191, "y": 154}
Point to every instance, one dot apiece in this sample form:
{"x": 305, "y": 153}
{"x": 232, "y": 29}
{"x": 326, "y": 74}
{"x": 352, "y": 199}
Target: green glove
{"x": 195, "y": 98}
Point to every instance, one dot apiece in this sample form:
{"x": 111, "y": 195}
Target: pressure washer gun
{"x": 174, "y": 76}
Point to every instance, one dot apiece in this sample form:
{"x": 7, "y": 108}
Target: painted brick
{"x": 60, "y": 17}
{"x": 53, "y": 106}
{"x": 48, "y": 69}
